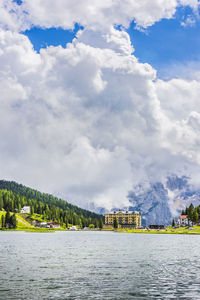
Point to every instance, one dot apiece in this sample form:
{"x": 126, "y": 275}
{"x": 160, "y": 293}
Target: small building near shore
{"x": 155, "y": 226}
{"x": 184, "y": 221}
{"x": 53, "y": 225}
{"x": 73, "y": 228}
{"x": 37, "y": 223}
{"x": 44, "y": 224}
{"x": 26, "y": 210}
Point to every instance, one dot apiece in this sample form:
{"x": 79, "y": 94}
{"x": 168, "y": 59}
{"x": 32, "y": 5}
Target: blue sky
{"x": 41, "y": 38}
{"x": 167, "y": 42}
{"x": 18, "y": 1}
{"x": 162, "y": 45}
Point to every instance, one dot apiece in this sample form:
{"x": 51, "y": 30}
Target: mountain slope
{"x": 152, "y": 203}
{"x": 14, "y": 196}
{"x": 160, "y": 202}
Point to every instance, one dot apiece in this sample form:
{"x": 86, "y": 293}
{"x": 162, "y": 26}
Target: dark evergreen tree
{"x": 1, "y": 203}
{"x": 13, "y": 221}
{"x": 2, "y": 221}
{"x": 173, "y": 223}
{"x": 195, "y": 216}
{"x": 95, "y": 223}
{"x": 7, "y": 219}
{"x": 32, "y": 209}
{"x": 115, "y": 225}
{"x": 186, "y": 211}
{"x": 66, "y": 223}
{"x": 101, "y": 224}
{"x": 191, "y": 212}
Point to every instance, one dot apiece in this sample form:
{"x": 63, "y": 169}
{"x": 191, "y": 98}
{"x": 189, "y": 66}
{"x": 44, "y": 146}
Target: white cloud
{"x": 93, "y": 14}
{"x": 96, "y": 14}
{"x": 88, "y": 122}
{"x": 180, "y": 103}
{"x": 194, "y": 4}
{"x": 71, "y": 116}
{"x": 190, "y": 21}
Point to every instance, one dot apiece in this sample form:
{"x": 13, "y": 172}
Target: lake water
{"x": 98, "y": 265}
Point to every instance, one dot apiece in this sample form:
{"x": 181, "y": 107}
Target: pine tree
{"x": 115, "y": 223}
{"x": 1, "y": 203}
{"x": 95, "y": 223}
{"x": 80, "y": 224}
{"x": 13, "y": 221}
{"x": 66, "y": 223}
{"x": 191, "y": 212}
{"x": 173, "y": 223}
{"x": 195, "y": 216}
{"x": 2, "y": 221}
{"x": 32, "y": 209}
{"x": 7, "y": 219}
{"x": 101, "y": 224}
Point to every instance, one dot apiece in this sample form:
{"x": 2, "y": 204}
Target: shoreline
{"x": 186, "y": 231}
{"x": 183, "y": 230}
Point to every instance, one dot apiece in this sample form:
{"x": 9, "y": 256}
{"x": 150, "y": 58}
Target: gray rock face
{"x": 177, "y": 183}
{"x": 153, "y": 204}
{"x": 160, "y": 202}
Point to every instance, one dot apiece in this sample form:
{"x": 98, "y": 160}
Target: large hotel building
{"x": 125, "y": 219}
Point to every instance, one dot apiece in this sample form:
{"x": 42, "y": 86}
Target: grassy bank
{"x": 168, "y": 230}
{"x": 23, "y": 223}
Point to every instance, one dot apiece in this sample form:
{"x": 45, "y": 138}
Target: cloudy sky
{"x": 99, "y": 96}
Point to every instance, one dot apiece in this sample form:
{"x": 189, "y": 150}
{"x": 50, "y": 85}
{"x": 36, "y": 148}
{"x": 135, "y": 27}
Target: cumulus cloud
{"x": 97, "y": 14}
{"x": 88, "y": 122}
{"x": 69, "y": 119}
{"x": 92, "y": 14}
{"x": 194, "y": 4}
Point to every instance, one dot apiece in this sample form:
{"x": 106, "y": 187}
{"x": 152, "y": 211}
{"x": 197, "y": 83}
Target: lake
{"x": 98, "y": 265}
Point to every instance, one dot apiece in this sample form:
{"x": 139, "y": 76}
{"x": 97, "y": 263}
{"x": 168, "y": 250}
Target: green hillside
{"x": 14, "y": 196}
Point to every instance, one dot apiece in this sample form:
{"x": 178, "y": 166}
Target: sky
{"x": 163, "y": 45}
{"x": 99, "y": 97}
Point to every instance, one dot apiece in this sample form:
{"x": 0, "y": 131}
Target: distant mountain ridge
{"x": 159, "y": 203}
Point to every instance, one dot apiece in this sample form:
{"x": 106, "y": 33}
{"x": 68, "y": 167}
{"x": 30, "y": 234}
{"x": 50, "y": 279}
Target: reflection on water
{"x": 98, "y": 265}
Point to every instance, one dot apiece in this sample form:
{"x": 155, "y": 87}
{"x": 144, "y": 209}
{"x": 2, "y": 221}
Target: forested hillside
{"x": 14, "y": 196}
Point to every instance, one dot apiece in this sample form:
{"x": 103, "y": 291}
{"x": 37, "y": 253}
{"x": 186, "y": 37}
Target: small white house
{"x": 43, "y": 224}
{"x": 73, "y": 228}
{"x": 53, "y": 225}
{"x": 183, "y": 221}
{"x": 26, "y": 210}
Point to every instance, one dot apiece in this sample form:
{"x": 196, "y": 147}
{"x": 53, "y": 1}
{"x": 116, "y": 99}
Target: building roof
{"x": 124, "y": 212}
{"x": 53, "y": 223}
{"x": 183, "y": 217}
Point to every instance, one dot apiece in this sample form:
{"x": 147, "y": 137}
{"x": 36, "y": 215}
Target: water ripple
{"x": 99, "y": 265}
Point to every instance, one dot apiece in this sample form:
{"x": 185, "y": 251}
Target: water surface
{"x": 98, "y": 265}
